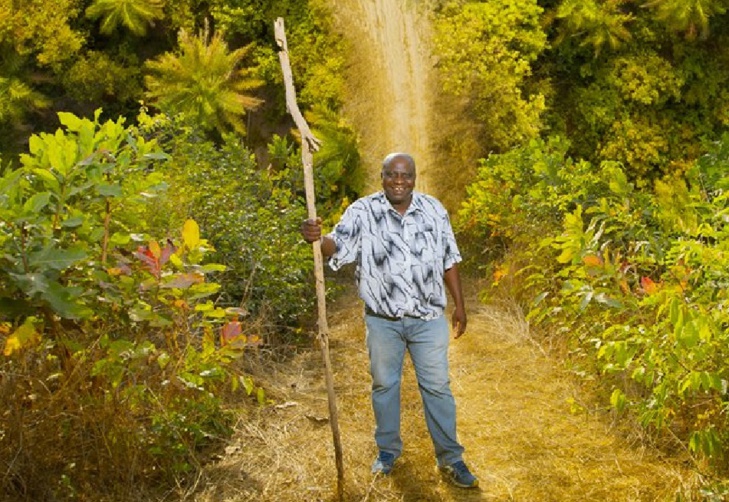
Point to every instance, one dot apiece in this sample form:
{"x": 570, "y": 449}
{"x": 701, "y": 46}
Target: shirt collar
{"x": 415, "y": 203}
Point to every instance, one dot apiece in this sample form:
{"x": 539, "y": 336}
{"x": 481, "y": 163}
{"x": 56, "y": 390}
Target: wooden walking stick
{"x": 310, "y": 144}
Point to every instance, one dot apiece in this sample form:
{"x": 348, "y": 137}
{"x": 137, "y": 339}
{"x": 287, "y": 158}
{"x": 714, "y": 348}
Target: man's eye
{"x": 405, "y": 176}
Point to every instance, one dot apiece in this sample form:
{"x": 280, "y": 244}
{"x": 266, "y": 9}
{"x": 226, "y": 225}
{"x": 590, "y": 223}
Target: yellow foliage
{"x": 155, "y": 249}
{"x": 12, "y": 344}
{"x": 181, "y": 304}
{"x": 500, "y": 273}
{"x": 486, "y": 53}
{"x": 191, "y": 234}
{"x": 25, "y": 336}
{"x": 638, "y": 142}
{"x": 675, "y": 203}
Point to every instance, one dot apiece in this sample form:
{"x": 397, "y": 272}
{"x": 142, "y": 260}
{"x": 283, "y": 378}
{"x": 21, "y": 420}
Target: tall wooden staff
{"x": 310, "y": 144}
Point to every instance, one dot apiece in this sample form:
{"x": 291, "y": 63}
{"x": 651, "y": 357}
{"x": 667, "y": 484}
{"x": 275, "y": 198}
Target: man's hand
{"x": 311, "y": 230}
{"x": 459, "y": 321}
{"x": 453, "y": 283}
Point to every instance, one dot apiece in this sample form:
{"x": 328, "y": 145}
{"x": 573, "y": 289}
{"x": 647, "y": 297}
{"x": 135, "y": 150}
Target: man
{"x": 405, "y": 251}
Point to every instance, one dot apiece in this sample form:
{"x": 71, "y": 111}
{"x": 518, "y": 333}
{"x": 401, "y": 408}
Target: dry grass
{"x": 514, "y": 419}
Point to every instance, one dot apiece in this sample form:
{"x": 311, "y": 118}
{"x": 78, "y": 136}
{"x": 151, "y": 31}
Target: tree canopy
{"x": 642, "y": 83}
{"x": 78, "y": 55}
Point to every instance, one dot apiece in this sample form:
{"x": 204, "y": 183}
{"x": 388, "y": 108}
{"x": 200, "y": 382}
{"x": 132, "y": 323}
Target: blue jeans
{"x": 427, "y": 342}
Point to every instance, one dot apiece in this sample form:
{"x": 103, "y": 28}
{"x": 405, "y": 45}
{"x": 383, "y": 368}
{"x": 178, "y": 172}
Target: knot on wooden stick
{"x": 280, "y": 33}
{"x": 313, "y": 142}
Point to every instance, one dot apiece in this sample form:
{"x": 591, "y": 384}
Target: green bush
{"x": 252, "y": 218}
{"x": 634, "y": 281}
{"x": 116, "y": 356}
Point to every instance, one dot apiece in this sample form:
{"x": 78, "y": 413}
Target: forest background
{"x": 151, "y": 195}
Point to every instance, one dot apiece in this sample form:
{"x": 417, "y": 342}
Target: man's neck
{"x": 403, "y": 206}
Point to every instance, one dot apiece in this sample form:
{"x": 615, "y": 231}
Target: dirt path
{"x": 390, "y": 93}
{"x": 515, "y": 420}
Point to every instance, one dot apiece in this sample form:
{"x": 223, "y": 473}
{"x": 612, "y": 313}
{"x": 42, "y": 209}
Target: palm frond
{"x": 203, "y": 81}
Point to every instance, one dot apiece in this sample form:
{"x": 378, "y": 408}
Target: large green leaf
{"x": 10, "y": 181}
{"x": 37, "y": 202}
{"x": 64, "y": 301}
{"x": 56, "y": 259}
{"x": 30, "y": 284}
{"x": 203, "y": 290}
{"x": 14, "y": 307}
{"x": 48, "y": 178}
{"x": 109, "y": 190}
{"x": 73, "y": 221}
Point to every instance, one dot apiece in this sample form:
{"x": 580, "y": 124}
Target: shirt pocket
{"x": 425, "y": 240}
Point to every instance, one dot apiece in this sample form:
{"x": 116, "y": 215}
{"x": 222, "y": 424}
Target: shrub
{"x": 115, "y": 354}
{"x": 634, "y": 281}
{"x": 252, "y": 217}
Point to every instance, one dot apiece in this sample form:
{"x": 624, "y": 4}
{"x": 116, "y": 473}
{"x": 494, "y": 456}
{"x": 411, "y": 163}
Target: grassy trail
{"x": 515, "y": 421}
{"x": 390, "y": 94}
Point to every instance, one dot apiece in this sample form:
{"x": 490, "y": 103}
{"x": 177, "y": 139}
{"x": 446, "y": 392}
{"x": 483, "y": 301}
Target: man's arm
{"x": 311, "y": 232}
{"x": 453, "y": 283}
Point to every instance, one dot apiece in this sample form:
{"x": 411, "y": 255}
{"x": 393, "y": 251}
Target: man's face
{"x": 398, "y": 181}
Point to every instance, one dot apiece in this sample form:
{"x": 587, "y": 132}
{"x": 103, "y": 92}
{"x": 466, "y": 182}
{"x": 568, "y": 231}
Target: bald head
{"x": 392, "y": 157}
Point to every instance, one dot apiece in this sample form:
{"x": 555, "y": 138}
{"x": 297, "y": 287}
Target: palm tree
{"x": 17, "y": 98}
{"x": 17, "y": 101}
{"x": 203, "y": 81}
{"x": 135, "y": 15}
{"x": 596, "y": 23}
{"x": 689, "y": 16}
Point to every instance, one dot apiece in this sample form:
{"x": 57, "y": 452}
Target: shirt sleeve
{"x": 451, "y": 254}
{"x": 347, "y": 235}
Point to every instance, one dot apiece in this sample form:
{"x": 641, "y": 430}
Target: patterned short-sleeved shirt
{"x": 400, "y": 259}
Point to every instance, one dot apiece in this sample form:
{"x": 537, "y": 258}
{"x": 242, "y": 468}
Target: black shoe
{"x": 459, "y": 475}
{"x": 383, "y": 463}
